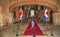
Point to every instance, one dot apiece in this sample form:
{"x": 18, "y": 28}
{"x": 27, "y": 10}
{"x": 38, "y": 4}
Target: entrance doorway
{"x": 32, "y": 13}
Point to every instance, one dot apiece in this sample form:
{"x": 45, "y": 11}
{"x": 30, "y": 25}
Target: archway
{"x": 52, "y": 6}
{"x": 43, "y": 3}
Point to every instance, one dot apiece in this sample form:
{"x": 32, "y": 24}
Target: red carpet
{"x": 35, "y": 31}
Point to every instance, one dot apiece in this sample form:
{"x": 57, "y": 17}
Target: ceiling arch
{"x": 43, "y": 3}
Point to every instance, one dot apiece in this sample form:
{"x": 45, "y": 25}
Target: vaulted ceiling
{"x": 7, "y": 2}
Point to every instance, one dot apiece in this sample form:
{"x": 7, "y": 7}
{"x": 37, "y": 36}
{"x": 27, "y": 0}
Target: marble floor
{"x": 47, "y": 29}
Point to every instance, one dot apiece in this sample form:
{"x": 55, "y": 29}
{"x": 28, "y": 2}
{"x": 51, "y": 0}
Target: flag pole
{"x": 45, "y": 17}
{"x": 21, "y": 16}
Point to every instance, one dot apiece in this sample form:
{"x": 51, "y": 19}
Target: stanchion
{"x": 21, "y": 25}
{"x": 17, "y": 29}
{"x": 34, "y": 36}
{"x": 34, "y": 33}
{"x": 52, "y": 31}
{"x": 44, "y": 24}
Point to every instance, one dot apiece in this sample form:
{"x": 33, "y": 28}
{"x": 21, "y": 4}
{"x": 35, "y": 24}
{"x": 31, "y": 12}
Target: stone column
{"x": 54, "y": 18}
{"x": 1, "y": 17}
{"x": 10, "y": 17}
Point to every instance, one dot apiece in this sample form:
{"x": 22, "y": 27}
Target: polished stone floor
{"x": 47, "y": 29}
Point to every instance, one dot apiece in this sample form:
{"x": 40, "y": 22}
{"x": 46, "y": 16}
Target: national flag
{"x": 20, "y": 13}
{"x": 45, "y": 15}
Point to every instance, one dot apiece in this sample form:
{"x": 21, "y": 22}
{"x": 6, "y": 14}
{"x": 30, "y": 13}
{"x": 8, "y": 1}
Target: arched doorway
{"x": 52, "y": 6}
{"x": 33, "y": 6}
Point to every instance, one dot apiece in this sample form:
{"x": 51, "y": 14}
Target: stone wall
{"x": 6, "y": 16}
{"x": 58, "y": 18}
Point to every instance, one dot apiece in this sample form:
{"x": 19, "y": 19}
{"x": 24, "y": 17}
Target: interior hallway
{"x": 7, "y": 8}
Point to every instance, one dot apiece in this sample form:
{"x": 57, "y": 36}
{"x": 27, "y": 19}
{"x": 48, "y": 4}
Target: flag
{"x": 20, "y": 13}
{"x": 45, "y": 15}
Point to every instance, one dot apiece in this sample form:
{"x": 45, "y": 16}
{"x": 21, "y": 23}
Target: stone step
{"x": 36, "y": 36}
